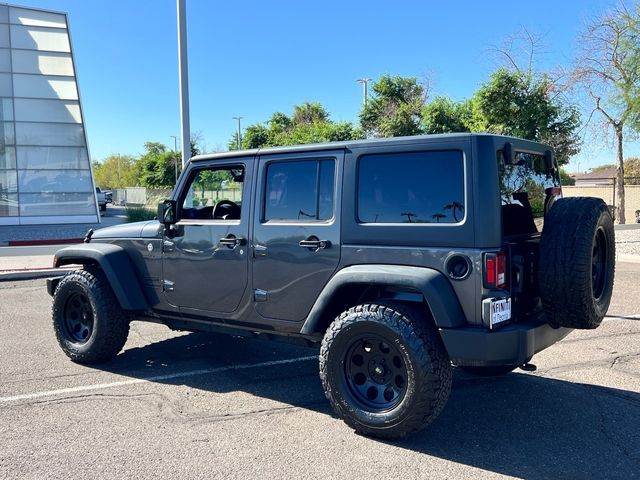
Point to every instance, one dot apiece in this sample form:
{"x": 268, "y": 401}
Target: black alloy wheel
{"x": 375, "y": 373}
{"x": 78, "y": 318}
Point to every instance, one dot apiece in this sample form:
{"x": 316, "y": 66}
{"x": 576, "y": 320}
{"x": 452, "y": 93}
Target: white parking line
{"x": 158, "y": 378}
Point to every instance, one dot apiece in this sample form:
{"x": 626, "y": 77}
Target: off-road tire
{"x": 428, "y": 368}
{"x": 572, "y": 292}
{"x": 496, "y": 371}
{"x": 110, "y": 324}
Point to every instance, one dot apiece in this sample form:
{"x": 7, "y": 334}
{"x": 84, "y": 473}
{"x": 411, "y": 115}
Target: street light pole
{"x": 239, "y": 135}
{"x": 175, "y": 155}
{"x": 365, "y": 83}
{"x": 184, "y": 80}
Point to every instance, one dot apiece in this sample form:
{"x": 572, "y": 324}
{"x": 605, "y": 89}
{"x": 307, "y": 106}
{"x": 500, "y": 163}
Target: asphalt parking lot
{"x": 192, "y": 405}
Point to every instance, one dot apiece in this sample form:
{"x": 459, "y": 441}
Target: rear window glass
{"x": 299, "y": 190}
{"x": 527, "y": 191}
{"x": 415, "y": 187}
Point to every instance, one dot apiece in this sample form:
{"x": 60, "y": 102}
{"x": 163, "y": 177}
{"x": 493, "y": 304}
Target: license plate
{"x": 498, "y": 310}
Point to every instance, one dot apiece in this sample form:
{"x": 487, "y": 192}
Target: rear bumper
{"x": 510, "y": 345}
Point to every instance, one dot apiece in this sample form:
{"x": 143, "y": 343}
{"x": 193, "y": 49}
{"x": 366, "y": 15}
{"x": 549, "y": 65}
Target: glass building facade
{"x": 45, "y": 173}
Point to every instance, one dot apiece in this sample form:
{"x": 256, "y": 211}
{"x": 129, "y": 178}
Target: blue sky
{"x": 253, "y": 58}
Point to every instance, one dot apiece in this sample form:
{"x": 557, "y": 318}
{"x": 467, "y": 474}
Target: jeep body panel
{"x": 116, "y": 265}
{"x": 429, "y": 283}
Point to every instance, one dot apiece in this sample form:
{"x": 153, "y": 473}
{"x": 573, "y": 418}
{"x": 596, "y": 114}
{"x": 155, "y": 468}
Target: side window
{"x": 299, "y": 191}
{"x": 527, "y": 191}
{"x": 416, "y": 187}
{"x": 214, "y": 194}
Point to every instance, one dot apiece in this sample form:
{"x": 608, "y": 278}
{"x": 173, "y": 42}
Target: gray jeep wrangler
{"x": 401, "y": 258}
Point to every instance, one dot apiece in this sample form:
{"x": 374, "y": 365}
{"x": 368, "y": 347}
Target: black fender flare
{"x": 432, "y": 284}
{"x": 116, "y": 265}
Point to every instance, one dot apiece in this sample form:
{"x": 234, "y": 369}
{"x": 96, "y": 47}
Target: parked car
{"x": 400, "y": 258}
{"x": 102, "y": 200}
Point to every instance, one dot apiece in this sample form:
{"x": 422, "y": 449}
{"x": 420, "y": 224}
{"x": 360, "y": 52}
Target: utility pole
{"x": 239, "y": 135}
{"x": 175, "y": 154}
{"x": 365, "y": 83}
{"x": 184, "y": 80}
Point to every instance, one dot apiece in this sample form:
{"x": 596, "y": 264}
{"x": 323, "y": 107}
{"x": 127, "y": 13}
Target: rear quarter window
{"x": 527, "y": 191}
{"x": 413, "y": 187}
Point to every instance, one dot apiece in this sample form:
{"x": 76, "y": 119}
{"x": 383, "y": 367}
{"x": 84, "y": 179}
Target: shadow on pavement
{"x": 520, "y": 425}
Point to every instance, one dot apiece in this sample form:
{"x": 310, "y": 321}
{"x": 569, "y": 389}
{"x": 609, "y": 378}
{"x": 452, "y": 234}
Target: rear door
{"x": 296, "y": 232}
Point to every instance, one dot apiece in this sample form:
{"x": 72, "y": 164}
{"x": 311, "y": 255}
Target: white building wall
{"x": 45, "y": 173}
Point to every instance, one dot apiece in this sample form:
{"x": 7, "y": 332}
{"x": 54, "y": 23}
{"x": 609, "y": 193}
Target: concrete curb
{"x": 622, "y": 257}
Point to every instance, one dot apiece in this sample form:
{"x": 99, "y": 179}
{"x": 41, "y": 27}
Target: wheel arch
{"x": 114, "y": 261}
{"x": 361, "y": 283}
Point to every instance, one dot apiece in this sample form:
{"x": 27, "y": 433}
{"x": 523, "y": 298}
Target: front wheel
{"x": 89, "y": 323}
{"x": 384, "y": 369}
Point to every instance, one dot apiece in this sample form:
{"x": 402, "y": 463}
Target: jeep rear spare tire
{"x": 577, "y": 261}
{"x": 384, "y": 369}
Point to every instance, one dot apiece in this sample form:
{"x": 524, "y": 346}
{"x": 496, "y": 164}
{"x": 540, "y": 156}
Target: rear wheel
{"x": 89, "y": 323}
{"x": 384, "y": 369}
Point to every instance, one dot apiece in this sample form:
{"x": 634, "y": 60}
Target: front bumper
{"x": 513, "y": 344}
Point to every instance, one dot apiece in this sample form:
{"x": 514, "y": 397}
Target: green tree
{"x": 116, "y": 171}
{"x": 158, "y": 166}
{"x": 307, "y": 114}
{"x": 443, "y": 115}
{"x": 395, "y": 107}
{"x": 565, "y": 178}
{"x": 309, "y": 123}
{"x": 521, "y": 105}
{"x": 513, "y": 103}
{"x": 632, "y": 170}
{"x": 607, "y": 69}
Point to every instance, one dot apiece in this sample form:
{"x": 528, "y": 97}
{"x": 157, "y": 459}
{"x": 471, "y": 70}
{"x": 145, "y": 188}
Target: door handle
{"x": 168, "y": 246}
{"x": 232, "y": 241}
{"x": 314, "y": 243}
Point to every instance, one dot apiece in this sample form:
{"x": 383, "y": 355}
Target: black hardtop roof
{"x": 349, "y": 144}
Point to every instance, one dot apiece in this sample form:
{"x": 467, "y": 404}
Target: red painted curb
{"x": 33, "y": 243}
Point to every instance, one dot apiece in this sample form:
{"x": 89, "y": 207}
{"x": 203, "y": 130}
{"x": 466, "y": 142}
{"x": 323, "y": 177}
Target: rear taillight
{"x": 495, "y": 270}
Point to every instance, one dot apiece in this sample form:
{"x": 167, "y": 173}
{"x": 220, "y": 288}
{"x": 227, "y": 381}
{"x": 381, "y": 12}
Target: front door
{"x": 204, "y": 260}
{"x": 296, "y": 233}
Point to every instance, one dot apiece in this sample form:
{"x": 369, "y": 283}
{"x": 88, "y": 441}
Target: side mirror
{"x": 167, "y": 212}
